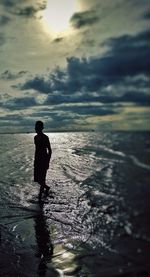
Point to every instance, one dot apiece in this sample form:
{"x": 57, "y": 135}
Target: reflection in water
{"x": 45, "y": 247}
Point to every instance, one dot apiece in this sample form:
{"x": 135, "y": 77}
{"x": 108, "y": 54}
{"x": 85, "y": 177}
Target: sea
{"x": 95, "y": 222}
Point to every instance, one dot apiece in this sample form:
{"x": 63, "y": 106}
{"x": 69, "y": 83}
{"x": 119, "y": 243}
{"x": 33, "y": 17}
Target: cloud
{"x": 87, "y": 110}
{"x": 11, "y": 117}
{"x": 22, "y": 9}
{"x": 8, "y": 75}
{"x": 128, "y": 55}
{"x": 136, "y": 97}
{"x": 23, "y": 102}
{"x": 39, "y": 83}
{"x": 57, "y": 98}
{"x": 82, "y": 19}
{"x": 88, "y": 42}
{"x": 17, "y": 103}
{"x": 8, "y": 3}
{"x": 84, "y": 79}
{"x": 29, "y": 11}
{"x": 73, "y": 111}
{"x": 15, "y": 122}
{"x": 70, "y": 117}
{"x": 55, "y": 81}
{"x": 57, "y": 40}
{"x": 4, "y": 20}
{"x": 2, "y": 39}
{"x": 147, "y": 15}
{"x": 129, "y": 96}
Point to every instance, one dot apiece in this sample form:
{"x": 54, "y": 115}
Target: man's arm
{"x": 49, "y": 149}
{"x": 49, "y": 152}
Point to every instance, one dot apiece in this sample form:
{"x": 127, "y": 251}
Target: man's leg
{"x": 41, "y": 191}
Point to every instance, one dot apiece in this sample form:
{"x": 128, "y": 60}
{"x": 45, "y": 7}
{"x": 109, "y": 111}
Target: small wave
{"x": 133, "y": 158}
{"x": 138, "y": 163}
{"x": 114, "y": 152}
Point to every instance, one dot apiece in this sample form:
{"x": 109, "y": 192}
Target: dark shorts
{"x": 39, "y": 174}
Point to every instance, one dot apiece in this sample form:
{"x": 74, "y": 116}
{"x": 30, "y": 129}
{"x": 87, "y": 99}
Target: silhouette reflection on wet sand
{"x": 44, "y": 244}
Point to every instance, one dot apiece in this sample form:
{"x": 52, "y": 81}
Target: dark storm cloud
{"x": 75, "y": 111}
{"x": 128, "y": 55}
{"x": 147, "y": 15}
{"x": 56, "y": 99}
{"x": 47, "y": 84}
{"x": 82, "y": 19}
{"x": 24, "y": 102}
{"x": 38, "y": 83}
{"x": 11, "y": 117}
{"x": 137, "y": 97}
{"x": 126, "y": 58}
{"x": 17, "y": 121}
{"x": 90, "y": 110}
{"x": 18, "y": 103}
{"x": 130, "y": 96}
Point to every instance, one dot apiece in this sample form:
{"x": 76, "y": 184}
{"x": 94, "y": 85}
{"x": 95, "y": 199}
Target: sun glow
{"x": 58, "y": 14}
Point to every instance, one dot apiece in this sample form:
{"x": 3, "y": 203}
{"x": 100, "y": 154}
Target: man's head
{"x": 39, "y": 126}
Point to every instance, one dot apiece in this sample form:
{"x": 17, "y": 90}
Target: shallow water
{"x": 95, "y": 222}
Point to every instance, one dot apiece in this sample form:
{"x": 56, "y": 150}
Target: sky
{"x": 77, "y": 65}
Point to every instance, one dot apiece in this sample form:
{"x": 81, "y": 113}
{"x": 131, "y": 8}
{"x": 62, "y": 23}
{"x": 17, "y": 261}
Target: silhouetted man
{"x": 42, "y": 157}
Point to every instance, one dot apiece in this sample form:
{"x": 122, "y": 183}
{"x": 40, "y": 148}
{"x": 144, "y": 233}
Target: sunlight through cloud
{"x": 58, "y": 14}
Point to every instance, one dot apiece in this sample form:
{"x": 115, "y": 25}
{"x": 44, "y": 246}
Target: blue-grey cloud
{"x": 128, "y": 55}
{"x": 11, "y": 117}
{"x": 39, "y": 83}
{"x": 74, "y": 111}
{"x": 136, "y": 97}
{"x": 56, "y": 81}
{"x": 126, "y": 58}
{"x": 129, "y": 96}
{"x": 9, "y": 3}
{"x": 56, "y": 99}
{"x": 147, "y": 15}
{"x": 90, "y": 110}
{"x": 82, "y": 19}
{"x": 16, "y": 122}
{"x": 18, "y": 103}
